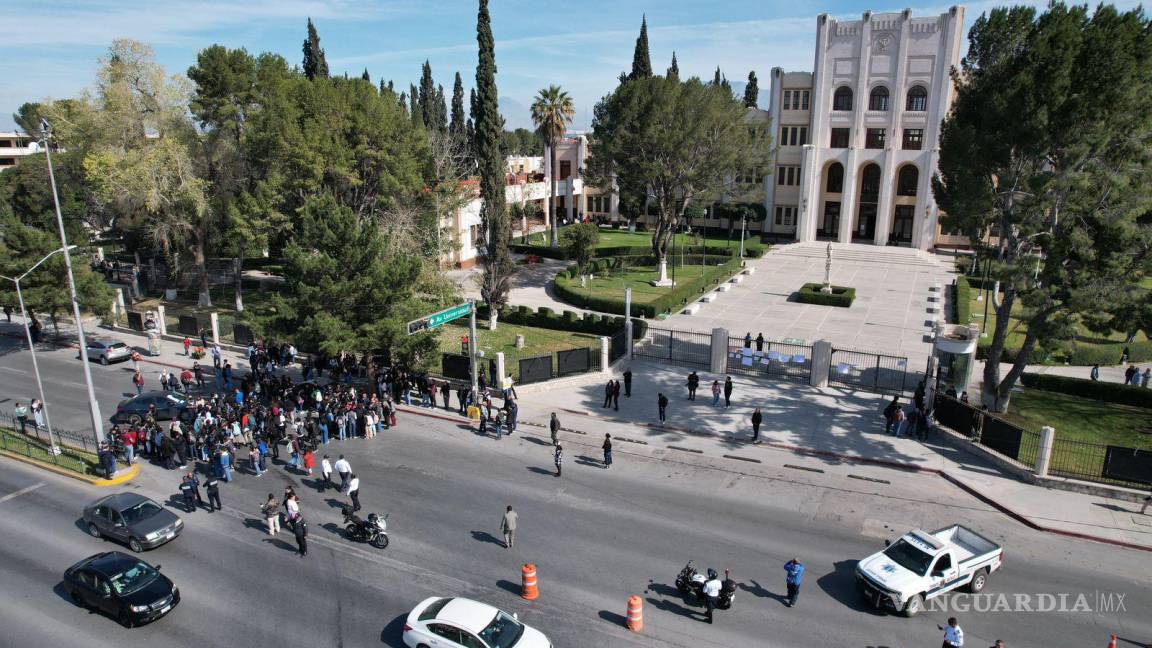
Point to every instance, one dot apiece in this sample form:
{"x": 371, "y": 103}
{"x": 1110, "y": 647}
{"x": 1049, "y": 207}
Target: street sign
{"x": 439, "y": 319}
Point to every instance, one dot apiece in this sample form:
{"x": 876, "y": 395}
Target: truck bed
{"x": 967, "y": 543}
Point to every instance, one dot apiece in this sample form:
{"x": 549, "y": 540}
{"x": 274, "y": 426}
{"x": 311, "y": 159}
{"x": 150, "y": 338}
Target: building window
{"x": 878, "y": 100}
{"x": 804, "y": 100}
{"x": 908, "y": 181}
{"x": 917, "y": 99}
{"x": 839, "y": 138}
{"x": 787, "y": 100}
{"x": 785, "y": 216}
{"x": 793, "y": 135}
{"x": 870, "y": 184}
{"x": 913, "y": 139}
{"x": 835, "y": 182}
{"x": 875, "y": 138}
{"x": 842, "y": 100}
{"x": 788, "y": 176}
{"x": 565, "y": 169}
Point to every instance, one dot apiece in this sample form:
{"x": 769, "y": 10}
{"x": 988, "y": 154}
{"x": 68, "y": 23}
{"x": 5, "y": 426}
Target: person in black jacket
{"x": 693, "y": 383}
{"x": 301, "y": 532}
{"x": 757, "y": 418}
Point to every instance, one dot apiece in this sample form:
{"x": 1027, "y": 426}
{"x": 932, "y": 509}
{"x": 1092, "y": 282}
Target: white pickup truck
{"x": 921, "y": 566}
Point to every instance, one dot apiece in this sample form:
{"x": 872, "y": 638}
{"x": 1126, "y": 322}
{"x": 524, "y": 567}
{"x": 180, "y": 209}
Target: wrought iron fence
{"x": 684, "y": 347}
{"x": 537, "y": 369}
{"x": 76, "y": 449}
{"x": 1100, "y": 463}
{"x": 770, "y": 358}
{"x": 618, "y": 346}
{"x": 573, "y": 361}
{"x": 870, "y": 370}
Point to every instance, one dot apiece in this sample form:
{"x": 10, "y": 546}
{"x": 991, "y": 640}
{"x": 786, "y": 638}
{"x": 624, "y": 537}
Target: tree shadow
{"x": 613, "y": 618}
{"x": 484, "y": 536}
{"x": 509, "y": 586}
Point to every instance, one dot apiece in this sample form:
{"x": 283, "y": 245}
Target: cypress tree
{"x": 440, "y": 110}
{"x": 456, "y": 126}
{"x": 427, "y": 95}
{"x": 641, "y": 61}
{"x": 365, "y": 76}
{"x": 498, "y": 265}
{"x": 404, "y": 103}
{"x": 674, "y": 69}
{"x": 751, "y": 91}
{"x": 315, "y": 65}
{"x": 716, "y": 78}
{"x": 414, "y": 108}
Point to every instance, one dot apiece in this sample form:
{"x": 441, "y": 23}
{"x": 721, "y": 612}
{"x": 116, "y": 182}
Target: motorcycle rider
{"x": 711, "y": 593}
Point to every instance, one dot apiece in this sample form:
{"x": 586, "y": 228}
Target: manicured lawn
{"x": 623, "y": 238}
{"x": 637, "y": 278}
{"x": 537, "y": 342}
{"x": 76, "y": 461}
{"x": 1082, "y": 419}
{"x": 223, "y": 302}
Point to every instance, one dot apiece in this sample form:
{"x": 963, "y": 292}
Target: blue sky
{"x": 50, "y": 49}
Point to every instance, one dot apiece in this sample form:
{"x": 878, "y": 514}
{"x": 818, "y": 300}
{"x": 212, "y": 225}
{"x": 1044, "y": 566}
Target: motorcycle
{"x": 690, "y": 584}
{"x": 373, "y": 530}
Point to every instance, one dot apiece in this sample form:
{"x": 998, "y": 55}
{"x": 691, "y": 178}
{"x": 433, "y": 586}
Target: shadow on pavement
{"x": 509, "y": 586}
{"x": 613, "y": 618}
{"x": 759, "y": 591}
{"x": 541, "y": 471}
{"x": 537, "y": 441}
{"x": 276, "y": 542}
{"x": 393, "y": 634}
{"x": 585, "y": 460}
{"x": 484, "y": 536}
{"x": 840, "y": 584}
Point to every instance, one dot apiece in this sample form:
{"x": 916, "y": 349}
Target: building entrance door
{"x": 902, "y": 220}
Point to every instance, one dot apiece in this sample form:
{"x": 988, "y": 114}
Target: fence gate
{"x": 684, "y": 347}
{"x": 780, "y": 359}
{"x": 869, "y": 370}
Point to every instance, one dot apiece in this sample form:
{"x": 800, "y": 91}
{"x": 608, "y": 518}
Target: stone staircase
{"x": 862, "y": 253}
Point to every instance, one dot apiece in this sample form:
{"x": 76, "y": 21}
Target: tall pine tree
{"x": 315, "y": 65}
{"x": 415, "y": 110}
{"x": 456, "y": 126}
{"x": 498, "y": 266}
{"x": 751, "y": 91}
{"x": 365, "y": 76}
{"x": 674, "y": 69}
{"x": 641, "y": 61}
{"x": 427, "y": 96}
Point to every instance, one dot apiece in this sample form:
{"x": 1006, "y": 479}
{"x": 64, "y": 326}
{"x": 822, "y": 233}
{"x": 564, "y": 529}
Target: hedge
{"x": 752, "y": 250}
{"x": 546, "y": 318}
{"x": 1109, "y": 354}
{"x": 810, "y": 294}
{"x": 961, "y": 301}
{"x": 686, "y": 290}
{"x": 1108, "y": 392}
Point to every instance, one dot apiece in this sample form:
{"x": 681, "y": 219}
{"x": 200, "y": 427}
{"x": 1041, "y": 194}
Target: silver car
{"x": 108, "y": 351}
{"x": 132, "y": 519}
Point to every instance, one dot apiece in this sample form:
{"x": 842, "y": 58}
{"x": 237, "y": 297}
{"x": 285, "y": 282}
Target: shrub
{"x": 1102, "y": 391}
{"x": 810, "y": 294}
{"x": 961, "y": 301}
{"x": 544, "y": 311}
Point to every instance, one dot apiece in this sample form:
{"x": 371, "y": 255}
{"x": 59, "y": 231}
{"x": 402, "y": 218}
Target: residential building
{"x": 857, "y": 137}
{"x": 13, "y": 145}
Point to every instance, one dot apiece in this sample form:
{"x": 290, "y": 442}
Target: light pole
{"x": 93, "y": 406}
{"x": 31, "y": 346}
{"x": 743, "y": 226}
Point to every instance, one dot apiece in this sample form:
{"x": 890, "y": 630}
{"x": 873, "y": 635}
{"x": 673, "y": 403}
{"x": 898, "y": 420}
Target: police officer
{"x": 212, "y": 488}
{"x": 711, "y": 593}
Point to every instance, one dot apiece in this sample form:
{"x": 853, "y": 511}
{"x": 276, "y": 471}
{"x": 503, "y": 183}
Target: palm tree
{"x": 552, "y": 111}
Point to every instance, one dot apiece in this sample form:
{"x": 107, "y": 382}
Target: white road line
{"x": 28, "y": 489}
{"x": 15, "y": 370}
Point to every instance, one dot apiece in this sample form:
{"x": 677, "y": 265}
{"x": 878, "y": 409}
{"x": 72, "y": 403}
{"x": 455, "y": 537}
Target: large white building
{"x": 857, "y": 137}
{"x": 14, "y": 145}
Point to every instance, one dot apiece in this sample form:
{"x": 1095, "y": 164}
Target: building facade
{"x": 14, "y": 145}
{"x": 857, "y": 137}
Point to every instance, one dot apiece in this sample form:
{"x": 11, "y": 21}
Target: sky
{"x": 51, "y": 49}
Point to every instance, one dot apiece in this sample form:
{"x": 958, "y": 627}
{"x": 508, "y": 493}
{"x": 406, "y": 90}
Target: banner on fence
{"x": 242, "y": 334}
{"x": 455, "y": 366}
{"x": 1128, "y": 464}
{"x": 572, "y": 361}
{"x": 189, "y": 325}
{"x": 135, "y": 321}
{"x": 1001, "y": 436}
{"x": 536, "y": 369}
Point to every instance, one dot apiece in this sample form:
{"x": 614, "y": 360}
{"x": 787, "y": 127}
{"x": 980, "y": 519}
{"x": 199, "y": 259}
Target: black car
{"x": 132, "y": 519}
{"x": 169, "y": 405}
{"x": 121, "y": 586}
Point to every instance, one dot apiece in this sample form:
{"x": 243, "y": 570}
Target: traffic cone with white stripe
{"x": 1112, "y": 643}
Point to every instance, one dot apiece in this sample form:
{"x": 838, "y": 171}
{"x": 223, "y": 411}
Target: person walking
{"x": 616, "y": 395}
{"x": 354, "y": 491}
{"x": 508, "y": 527}
{"x": 794, "y": 575}
{"x": 554, "y": 427}
{"x": 212, "y": 489}
{"x": 711, "y": 593}
{"x": 607, "y": 394}
{"x": 715, "y": 393}
{"x": 187, "y": 345}
{"x": 693, "y": 383}
{"x": 300, "y": 530}
{"x": 138, "y": 380}
{"x": 558, "y": 457}
{"x": 628, "y": 383}
{"x": 21, "y": 414}
{"x": 757, "y": 418}
{"x": 662, "y": 406}
{"x": 343, "y": 468}
{"x": 186, "y": 491}
{"x": 271, "y": 511}
{"x": 890, "y": 414}
{"x": 326, "y": 473}
{"x": 607, "y": 446}
{"x": 727, "y": 391}
{"x": 309, "y": 460}
{"x": 953, "y": 635}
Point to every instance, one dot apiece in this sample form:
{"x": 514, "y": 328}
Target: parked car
{"x": 107, "y": 351}
{"x": 132, "y": 519}
{"x": 921, "y": 566}
{"x": 464, "y": 623}
{"x": 169, "y": 405}
{"x": 121, "y": 586}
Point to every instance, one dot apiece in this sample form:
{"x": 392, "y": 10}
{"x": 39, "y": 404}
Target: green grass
{"x": 624, "y": 238}
{"x": 537, "y": 342}
{"x": 1082, "y": 419}
{"x": 73, "y": 460}
{"x": 637, "y": 278}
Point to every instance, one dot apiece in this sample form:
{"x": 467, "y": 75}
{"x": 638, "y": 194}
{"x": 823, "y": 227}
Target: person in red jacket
{"x": 128, "y": 438}
{"x": 138, "y": 380}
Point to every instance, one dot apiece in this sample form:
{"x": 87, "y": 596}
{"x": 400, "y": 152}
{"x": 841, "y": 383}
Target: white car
{"x": 464, "y": 623}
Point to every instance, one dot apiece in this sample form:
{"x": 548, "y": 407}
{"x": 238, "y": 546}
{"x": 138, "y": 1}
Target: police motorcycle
{"x": 690, "y": 584}
{"x": 373, "y": 530}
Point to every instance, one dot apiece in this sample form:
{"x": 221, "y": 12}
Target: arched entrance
{"x": 904, "y": 205}
{"x": 831, "y": 197}
{"x": 868, "y": 204}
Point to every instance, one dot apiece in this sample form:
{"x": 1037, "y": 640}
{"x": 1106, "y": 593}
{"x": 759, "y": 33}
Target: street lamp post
{"x": 32, "y": 346}
{"x": 743, "y": 226}
{"x": 93, "y": 406}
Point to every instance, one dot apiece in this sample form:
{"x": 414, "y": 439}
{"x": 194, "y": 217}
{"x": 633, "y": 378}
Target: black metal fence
{"x": 770, "y": 358}
{"x": 572, "y": 361}
{"x": 537, "y": 369}
{"x": 870, "y": 370}
{"x": 1128, "y": 464}
{"x": 618, "y": 346}
{"x": 76, "y": 449}
{"x": 683, "y": 347}
{"x": 242, "y": 334}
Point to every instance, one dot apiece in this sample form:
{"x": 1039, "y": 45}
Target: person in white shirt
{"x": 354, "y": 492}
{"x": 326, "y": 472}
{"x": 711, "y": 593}
{"x": 953, "y": 635}
{"x": 292, "y": 506}
{"x": 344, "y": 469}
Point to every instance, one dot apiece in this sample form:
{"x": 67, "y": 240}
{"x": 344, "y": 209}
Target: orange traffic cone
{"x": 635, "y": 614}
{"x": 528, "y": 572}
{"x": 1112, "y": 643}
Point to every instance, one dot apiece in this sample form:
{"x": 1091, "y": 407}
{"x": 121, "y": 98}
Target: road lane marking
{"x": 27, "y": 489}
{"x": 15, "y": 370}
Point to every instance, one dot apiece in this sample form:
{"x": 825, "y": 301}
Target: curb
{"x": 72, "y": 345}
{"x": 121, "y": 477}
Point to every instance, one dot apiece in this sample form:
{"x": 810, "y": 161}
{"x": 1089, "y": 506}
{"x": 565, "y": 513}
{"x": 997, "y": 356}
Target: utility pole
{"x": 472, "y": 350}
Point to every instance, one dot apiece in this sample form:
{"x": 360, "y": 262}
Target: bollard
{"x": 528, "y": 572}
{"x": 635, "y": 614}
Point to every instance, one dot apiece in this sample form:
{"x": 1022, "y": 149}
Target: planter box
{"x": 840, "y": 296}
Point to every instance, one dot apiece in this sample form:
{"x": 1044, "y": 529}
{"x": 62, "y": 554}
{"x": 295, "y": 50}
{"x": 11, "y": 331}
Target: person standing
{"x": 446, "y": 392}
{"x": 727, "y": 391}
{"x": 1146, "y": 377}
{"x": 607, "y": 450}
{"x": 607, "y": 394}
{"x": 662, "y": 406}
{"x": 558, "y": 457}
{"x": 271, "y": 511}
{"x": 715, "y": 393}
{"x": 508, "y": 527}
{"x": 628, "y": 382}
{"x": 21, "y": 413}
{"x": 212, "y": 489}
{"x": 953, "y": 635}
{"x": 300, "y": 529}
{"x": 711, "y": 593}
{"x": 186, "y": 492}
{"x": 138, "y": 380}
{"x": 757, "y": 419}
{"x": 890, "y": 414}
{"x": 616, "y": 395}
{"x": 354, "y": 491}
{"x": 794, "y": 575}
{"x": 128, "y": 439}
{"x": 760, "y": 342}
{"x": 693, "y": 383}
{"x": 554, "y": 427}
{"x": 343, "y": 468}
{"x": 326, "y": 473}
{"x": 748, "y": 340}
{"x": 187, "y": 345}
